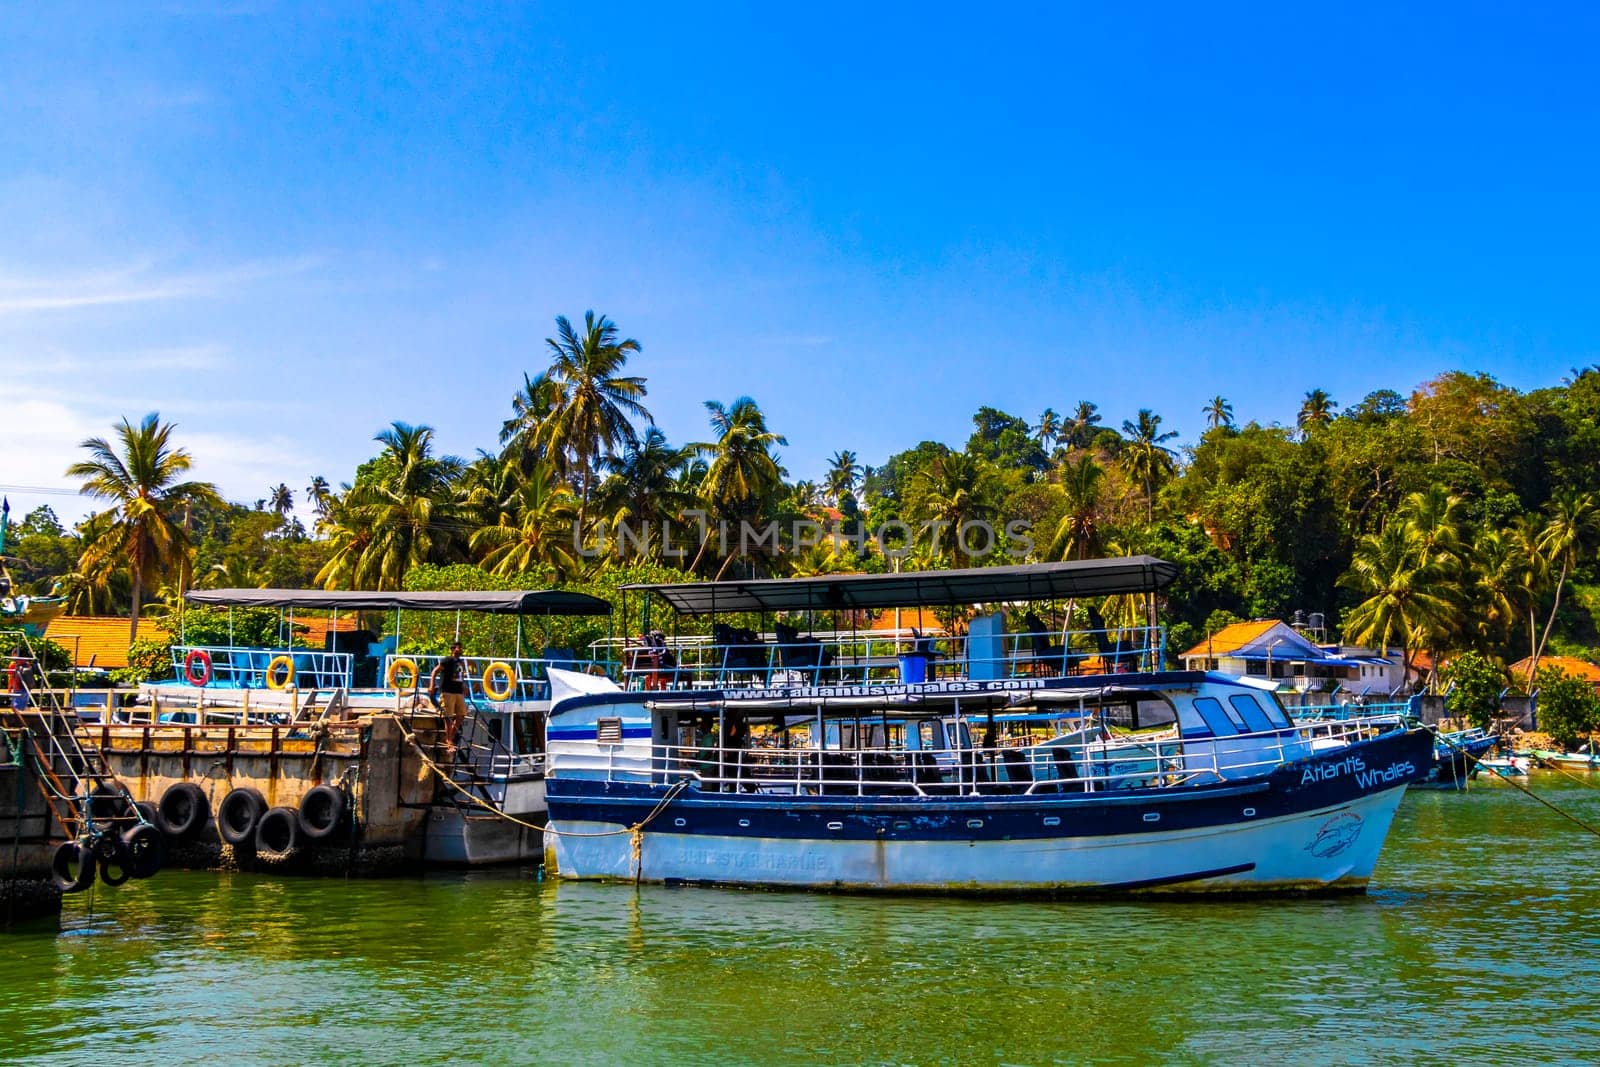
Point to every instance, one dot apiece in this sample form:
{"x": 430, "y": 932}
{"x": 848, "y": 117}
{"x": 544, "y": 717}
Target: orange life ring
{"x": 285, "y": 662}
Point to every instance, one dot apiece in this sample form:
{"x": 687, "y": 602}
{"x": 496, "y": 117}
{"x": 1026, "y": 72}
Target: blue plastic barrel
{"x": 913, "y": 667}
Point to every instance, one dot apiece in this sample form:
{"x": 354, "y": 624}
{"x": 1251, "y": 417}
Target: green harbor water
{"x": 1479, "y": 943}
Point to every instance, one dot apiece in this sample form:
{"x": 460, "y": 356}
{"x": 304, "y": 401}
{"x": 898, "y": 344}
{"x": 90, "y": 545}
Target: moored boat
{"x": 1148, "y": 780}
{"x": 1582, "y": 760}
{"x": 1505, "y": 766}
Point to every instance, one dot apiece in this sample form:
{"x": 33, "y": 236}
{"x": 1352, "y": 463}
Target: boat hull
{"x": 1317, "y": 825}
{"x": 459, "y": 836}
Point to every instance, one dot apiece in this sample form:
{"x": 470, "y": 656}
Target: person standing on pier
{"x": 450, "y": 679}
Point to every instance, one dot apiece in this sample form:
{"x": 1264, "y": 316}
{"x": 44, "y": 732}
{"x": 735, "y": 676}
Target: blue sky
{"x": 284, "y": 228}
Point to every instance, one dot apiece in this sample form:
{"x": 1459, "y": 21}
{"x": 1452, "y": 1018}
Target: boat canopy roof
{"x": 977, "y": 585}
{"x": 490, "y": 601}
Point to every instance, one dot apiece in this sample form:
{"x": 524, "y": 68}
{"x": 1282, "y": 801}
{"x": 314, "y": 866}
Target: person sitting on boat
{"x": 656, "y": 659}
{"x": 449, "y": 677}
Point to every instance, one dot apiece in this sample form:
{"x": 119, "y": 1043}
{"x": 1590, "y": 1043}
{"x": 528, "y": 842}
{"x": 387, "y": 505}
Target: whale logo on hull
{"x": 1336, "y": 835}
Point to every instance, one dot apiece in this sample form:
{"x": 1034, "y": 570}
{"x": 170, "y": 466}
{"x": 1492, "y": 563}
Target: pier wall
{"x": 28, "y": 837}
{"x": 370, "y": 760}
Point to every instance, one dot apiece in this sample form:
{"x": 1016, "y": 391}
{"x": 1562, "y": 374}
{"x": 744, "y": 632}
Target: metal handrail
{"x": 1098, "y": 764}
{"x": 532, "y": 680}
{"x": 243, "y": 667}
{"x": 877, "y": 657}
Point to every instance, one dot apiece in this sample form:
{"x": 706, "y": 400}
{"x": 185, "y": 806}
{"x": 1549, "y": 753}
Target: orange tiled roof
{"x": 100, "y": 640}
{"x": 316, "y": 630}
{"x": 1231, "y": 638}
{"x": 1569, "y": 665}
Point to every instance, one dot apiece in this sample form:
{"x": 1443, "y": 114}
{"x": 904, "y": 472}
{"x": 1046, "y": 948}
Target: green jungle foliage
{"x": 1459, "y": 516}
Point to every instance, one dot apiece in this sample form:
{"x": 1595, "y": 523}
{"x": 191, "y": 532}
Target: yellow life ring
{"x": 499, "y": 667}
{"x": 406, "y": 666}
{"x": 287, "y": 663}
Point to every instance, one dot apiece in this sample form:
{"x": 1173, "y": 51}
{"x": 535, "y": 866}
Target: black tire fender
{"x": 146, "y": 849}
{"x": 322, "y": 812}
{"x": 184, "y": 810}
{"x": 119, "y": 862}
{"x": 278, "y": 834}
{"x": 239, "y": 814}
{"x": 62, "y": 872}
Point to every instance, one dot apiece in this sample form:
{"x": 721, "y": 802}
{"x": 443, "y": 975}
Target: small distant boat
{"x": 1582, "y": 760}
{"x": 1456, "y": 752}
{"x": 1506, "y": 766}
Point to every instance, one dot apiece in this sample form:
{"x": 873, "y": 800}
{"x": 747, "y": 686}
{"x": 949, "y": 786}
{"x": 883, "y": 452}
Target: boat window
{"x": 1144, "y": 715}
{"x": 1274, "y": 711}
{"x": 1251, "y": 711}
{"x": 529, "y": 737}
{"x": 1236, "y": 718}
{"x": 1210, "y": 710}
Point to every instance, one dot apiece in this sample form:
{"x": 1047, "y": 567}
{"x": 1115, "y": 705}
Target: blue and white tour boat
{"x": 1038, "y": 759}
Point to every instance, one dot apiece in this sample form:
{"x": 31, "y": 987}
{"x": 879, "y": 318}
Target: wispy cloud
{"x": 138, "y": 284}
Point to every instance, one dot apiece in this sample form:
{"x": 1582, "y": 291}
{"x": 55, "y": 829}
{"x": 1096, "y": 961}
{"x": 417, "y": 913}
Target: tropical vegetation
{"x": 1460, "y": 516}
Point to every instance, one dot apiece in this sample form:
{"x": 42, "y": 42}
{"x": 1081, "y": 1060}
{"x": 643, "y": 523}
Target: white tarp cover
{"x": 567, "y": 684}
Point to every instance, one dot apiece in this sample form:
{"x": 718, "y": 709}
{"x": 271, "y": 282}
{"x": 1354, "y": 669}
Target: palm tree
{"x": 410, "y": 512}
{"x": 536, "y": 529}
{"x": 1049, "y": 429}
{"x": 236, "y": 572}
{"x": 281, "y": 499}
{"x": 953, "y": 490}
{"x": 1403, "y": 605}
{"x": 644, "y": 488}
{"x": 1218, "y": 412}
{"x": 320, "y": 494}
{"x": 1147, "y": 458}
{"x": 1433, "y": 518}
{"x": 591, "y": 400}
{"x": 1080, "y": 429}
{"x": 143, "y": 526}
{"x": 743, "y": 474}
{"x": 843, "y": 474}
{"x": 530, "y": 407}
{"x": 1572, "y": 524}
{"x": 1501, "y": 582}
{"x": 1078, "y": 534}
{"x": 1533, "y": 572}
{"x": 1316, "y": 410}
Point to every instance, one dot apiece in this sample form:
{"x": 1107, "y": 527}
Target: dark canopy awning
{"x": 494, "y": 602}
{"x": 979, "y": 585}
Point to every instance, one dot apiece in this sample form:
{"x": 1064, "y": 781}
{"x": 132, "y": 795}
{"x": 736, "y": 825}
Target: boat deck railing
{"x": 1342, "y": 712}
{"x": 741, "y": 659}
{"x": 497, "y": 679}
{"x": 1077, "y": 766}
{"x": 240, "y": 667}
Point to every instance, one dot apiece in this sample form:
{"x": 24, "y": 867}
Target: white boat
{"x": 1182, "y": 782}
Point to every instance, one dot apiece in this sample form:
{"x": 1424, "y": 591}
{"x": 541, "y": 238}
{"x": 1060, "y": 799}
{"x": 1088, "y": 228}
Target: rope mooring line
{"x": 661, "y": 805}
{"x": 1529, "y": 792}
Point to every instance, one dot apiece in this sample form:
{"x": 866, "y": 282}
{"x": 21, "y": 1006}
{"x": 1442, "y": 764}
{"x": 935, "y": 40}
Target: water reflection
{"x": 1479, "y": 938}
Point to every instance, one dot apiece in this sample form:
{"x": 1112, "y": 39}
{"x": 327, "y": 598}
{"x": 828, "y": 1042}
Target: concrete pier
{"x": 370, "y": 760}
{"x": 28, "y": 836}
